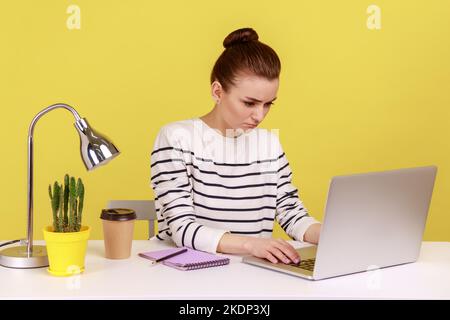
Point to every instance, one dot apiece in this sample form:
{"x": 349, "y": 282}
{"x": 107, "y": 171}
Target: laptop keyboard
{"x": 307, "y": 264}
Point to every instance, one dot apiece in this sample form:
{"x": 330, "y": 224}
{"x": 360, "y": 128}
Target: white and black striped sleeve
{"x": 291, "y": 214}
{"x": 173, "y": 190}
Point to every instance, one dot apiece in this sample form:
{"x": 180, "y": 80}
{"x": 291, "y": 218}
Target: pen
{"x": 168, "y": 256}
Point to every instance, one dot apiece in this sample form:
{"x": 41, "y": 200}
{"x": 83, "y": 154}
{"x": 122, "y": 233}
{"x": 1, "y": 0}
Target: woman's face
{"x": 246, "y": 104}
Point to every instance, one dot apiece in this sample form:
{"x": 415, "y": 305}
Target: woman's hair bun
{"x": 240, "y": 36}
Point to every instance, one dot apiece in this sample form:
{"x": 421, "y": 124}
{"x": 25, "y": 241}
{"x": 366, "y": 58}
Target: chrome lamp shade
{"x": 96, "y": 150}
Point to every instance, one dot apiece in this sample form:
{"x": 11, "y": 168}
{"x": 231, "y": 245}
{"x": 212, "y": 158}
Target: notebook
{"x": 189, "y": 260}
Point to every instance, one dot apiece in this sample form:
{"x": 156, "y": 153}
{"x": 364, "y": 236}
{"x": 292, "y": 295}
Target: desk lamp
{"x": 96, "y": 150}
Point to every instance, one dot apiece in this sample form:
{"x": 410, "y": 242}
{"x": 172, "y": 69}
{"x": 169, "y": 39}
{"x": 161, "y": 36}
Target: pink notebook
{"x": 189, "y": 260}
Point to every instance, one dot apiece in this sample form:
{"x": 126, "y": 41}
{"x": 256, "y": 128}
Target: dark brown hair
{"x": 244, "y": 53}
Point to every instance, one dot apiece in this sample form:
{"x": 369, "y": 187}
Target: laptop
{"x": 372, "y": 220}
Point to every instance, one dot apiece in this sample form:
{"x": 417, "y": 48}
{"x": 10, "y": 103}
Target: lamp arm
{"x": 48, "y": 109}
{"x": 30, "y": 167}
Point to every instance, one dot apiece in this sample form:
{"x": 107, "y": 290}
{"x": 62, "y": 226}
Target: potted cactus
{"x": 66, "y": 238}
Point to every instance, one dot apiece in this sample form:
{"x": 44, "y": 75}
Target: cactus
{"x": 80, "y": 192}
{"x": 67, "y": 204}
{"x": 54, "y": 198}
{"x": 61, "y": 204}
{"x": 72, "y": 198}
{"x": 66, "y": 198}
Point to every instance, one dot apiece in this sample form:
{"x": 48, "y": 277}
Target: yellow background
{"x": 351, "y": 99}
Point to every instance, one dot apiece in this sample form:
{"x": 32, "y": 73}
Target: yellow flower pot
{"x": 66, "y": 251}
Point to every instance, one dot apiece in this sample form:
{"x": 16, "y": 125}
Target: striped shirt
{"x": 206, "y": 184}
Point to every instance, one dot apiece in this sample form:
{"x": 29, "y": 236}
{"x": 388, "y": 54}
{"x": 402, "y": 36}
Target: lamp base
{"x": 17, "y": 257}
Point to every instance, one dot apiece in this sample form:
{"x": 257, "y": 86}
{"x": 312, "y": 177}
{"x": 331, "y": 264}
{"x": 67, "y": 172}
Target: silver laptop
{"x": 372, "y": 220}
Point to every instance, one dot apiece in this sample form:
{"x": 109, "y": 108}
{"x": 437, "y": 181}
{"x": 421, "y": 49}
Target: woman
{"x": 219, "y": 181}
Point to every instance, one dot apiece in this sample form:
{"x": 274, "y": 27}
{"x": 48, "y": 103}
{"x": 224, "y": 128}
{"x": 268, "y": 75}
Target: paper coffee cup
{"x": 118, "y": 228}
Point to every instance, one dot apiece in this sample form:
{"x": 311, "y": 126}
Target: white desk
{"x": 134, "y": 278}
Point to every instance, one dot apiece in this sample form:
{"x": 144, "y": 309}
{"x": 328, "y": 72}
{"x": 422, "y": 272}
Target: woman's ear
{"x": 216, "y": 91}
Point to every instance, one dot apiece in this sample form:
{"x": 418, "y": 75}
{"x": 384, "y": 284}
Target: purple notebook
{"x": 189, "y": 260}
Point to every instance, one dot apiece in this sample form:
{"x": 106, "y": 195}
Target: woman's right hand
{"x": 273, "y": 250}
